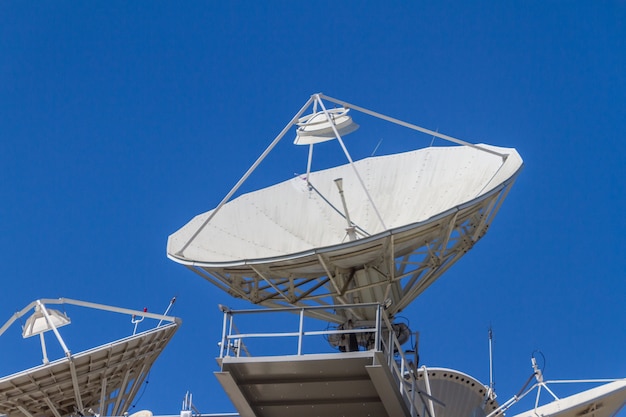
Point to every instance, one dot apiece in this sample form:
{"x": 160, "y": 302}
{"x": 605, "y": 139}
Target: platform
{"x": 328, "y": 385}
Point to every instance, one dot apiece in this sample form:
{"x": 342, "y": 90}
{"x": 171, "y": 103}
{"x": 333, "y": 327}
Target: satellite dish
{"x": 394, "y": 225}
{"x": 457, "y": 393}
{"x": 602, "y": 401}
{"x": 102, "y": 380}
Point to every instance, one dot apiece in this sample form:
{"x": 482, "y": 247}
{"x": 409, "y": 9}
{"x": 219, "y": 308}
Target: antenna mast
{"x": 492, "y": 383}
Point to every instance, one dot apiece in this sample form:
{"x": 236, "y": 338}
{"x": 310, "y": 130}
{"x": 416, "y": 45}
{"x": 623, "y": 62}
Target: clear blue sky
{"x": 121, "y": 121}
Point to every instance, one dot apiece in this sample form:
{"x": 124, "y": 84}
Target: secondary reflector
{"x": 37, "y": 322}
{"x": 318, "y": 127}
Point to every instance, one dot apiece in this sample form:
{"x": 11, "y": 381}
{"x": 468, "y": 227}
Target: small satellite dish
{"x": 105, "y": 378}
{"x": 458, "y": 393}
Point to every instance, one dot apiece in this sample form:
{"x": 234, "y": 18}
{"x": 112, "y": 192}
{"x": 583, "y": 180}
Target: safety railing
{"x": 380, "y": 335}
{"x": 233, "y": 341}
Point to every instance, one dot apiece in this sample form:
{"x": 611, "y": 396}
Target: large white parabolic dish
{"x": 413, "y": 214}
{"x": 280, "y": 224}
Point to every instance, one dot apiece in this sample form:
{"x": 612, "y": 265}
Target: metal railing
{"x": 403, "y": 370}
{"x": 232, "y": 340}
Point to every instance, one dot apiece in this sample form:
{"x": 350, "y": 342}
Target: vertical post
{"x": 491, "y": 381}
{"x": 300, "y": 331}
{"x": 229, "y": 334}
{"x": 413, "y": 396}
{"x": 309, "y": 162}
{"x": 538, "y": 395}
{"x": 54, "y": 329}
{"x": 43, "y": 349}
{"x": 402, "y": 370}
{"x": 431, "y": 407}
{"x": 390, "y": 344}
{"x": 378, "y": 328}
{"x": 224, "y": 340}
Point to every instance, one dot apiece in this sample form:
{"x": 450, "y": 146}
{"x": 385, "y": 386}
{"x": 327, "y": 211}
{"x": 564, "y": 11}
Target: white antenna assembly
{"x": 604, "y": 400}
{"x": 105, "y": 378}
